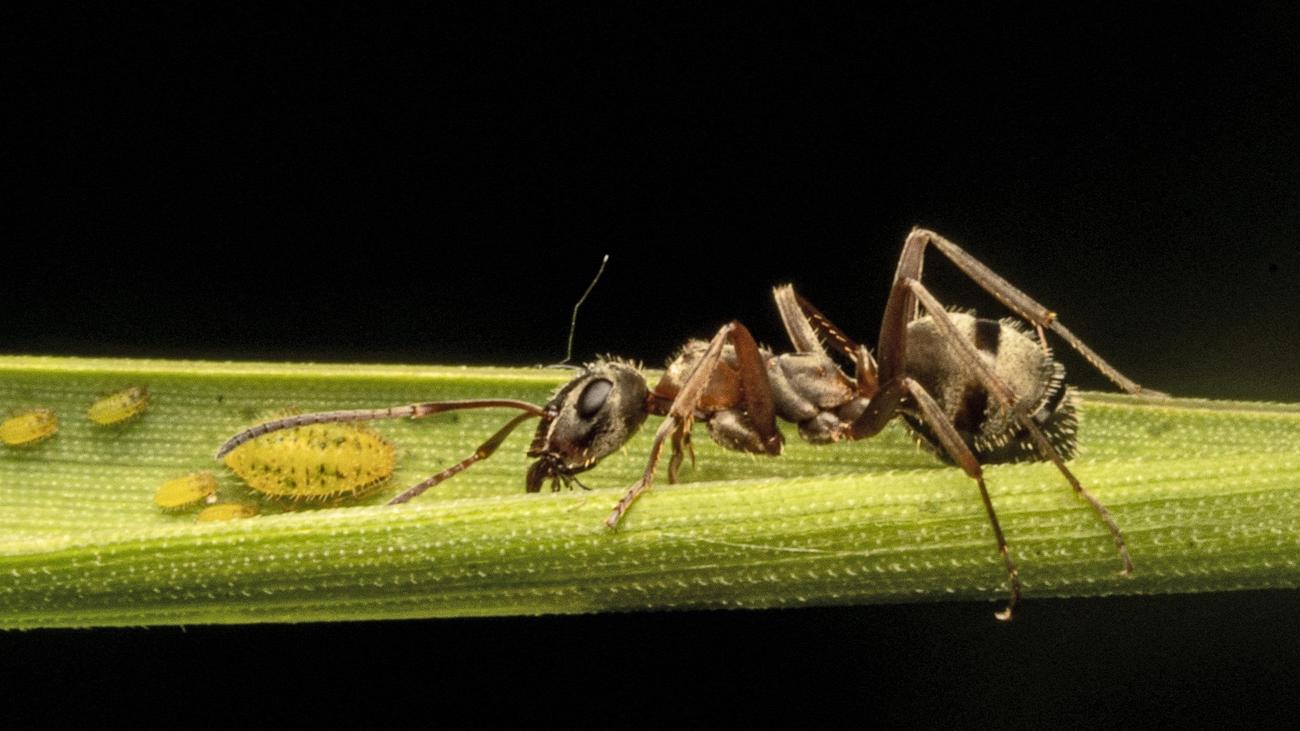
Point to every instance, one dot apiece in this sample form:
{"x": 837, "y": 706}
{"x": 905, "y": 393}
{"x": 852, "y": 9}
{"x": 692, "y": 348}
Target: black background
{"x": 335, "y": 183}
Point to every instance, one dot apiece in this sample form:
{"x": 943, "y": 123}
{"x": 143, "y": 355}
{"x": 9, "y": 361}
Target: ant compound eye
{"x": 593, "y": 397}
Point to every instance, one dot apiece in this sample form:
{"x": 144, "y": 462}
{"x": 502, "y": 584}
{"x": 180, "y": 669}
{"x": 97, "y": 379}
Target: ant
{"x": 974, "y": 391}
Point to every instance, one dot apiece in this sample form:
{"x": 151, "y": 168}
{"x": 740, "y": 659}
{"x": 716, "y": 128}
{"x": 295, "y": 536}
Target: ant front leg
{"x": 484, "y": 451}
{"x": 756, "y": 400}
{"x": 412, "y": 411}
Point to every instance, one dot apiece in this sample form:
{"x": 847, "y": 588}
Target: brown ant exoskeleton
{"x": 975, "y": 391}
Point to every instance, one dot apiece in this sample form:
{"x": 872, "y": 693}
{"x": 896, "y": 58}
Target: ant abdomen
{"x": 1025, "y": 365}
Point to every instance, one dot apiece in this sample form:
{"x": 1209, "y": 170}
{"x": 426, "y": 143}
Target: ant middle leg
{"x": 756, "y": 397}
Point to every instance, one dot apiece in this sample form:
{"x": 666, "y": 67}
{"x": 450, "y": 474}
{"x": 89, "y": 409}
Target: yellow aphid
{"x": 119, "y": 406}
{"x": 226, "y": 511}
{"x": 319, "y": 461}
{"x": 186, "y": 491}
{"x": 28, "y": 427}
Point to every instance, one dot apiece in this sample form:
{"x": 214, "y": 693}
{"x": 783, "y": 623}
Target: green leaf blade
{"x": 1208, "y": 494}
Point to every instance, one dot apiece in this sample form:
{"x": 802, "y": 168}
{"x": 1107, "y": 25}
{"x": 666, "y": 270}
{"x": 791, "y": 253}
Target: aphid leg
{"x": 758, "y": 404}
{"x": 998, "y": 390}
{"x": 882, "y": 410}
{"x": 413, "y": 411}
{"x": 909, "y": 266}
{"x": 484, "y": 451}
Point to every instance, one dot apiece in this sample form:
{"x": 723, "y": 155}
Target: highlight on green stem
{"x": 1207, "y": 493}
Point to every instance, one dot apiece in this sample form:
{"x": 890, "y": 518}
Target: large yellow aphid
{"x": 186, "y": 491}
{"x": 226, "y": 511}
{"x": 28, "y": 427}
{"x": 119, "y": 406}
{"x": 314, "y": 462}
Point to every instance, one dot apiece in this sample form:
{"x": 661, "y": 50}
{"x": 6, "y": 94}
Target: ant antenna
{"x": 573, "y": 321}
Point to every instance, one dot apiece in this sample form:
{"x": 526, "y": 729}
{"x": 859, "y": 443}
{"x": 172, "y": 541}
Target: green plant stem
{"x": 1207, "y": 493}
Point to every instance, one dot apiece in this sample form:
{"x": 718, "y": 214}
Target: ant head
{"x": 588, "y": 418}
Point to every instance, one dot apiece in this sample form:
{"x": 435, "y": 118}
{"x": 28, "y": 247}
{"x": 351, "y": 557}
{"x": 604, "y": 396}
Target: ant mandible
{"x": 975, "y": 391}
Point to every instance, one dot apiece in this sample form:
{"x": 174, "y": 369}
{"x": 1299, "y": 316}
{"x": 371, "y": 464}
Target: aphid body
{"x": 314, "y": 462}
{"x": 187, "y": 491}
{"x": 119, "y": 406}
{"x": 29, "y": 427}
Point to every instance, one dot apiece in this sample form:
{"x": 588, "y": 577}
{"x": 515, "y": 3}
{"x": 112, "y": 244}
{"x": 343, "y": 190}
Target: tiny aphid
{"x": 315, "y": 462}
{"x": 29, "y": 427}
{"x": 119, "y": 406}
{"x": 226, "y": 511}
{"x": 187, "y": 491}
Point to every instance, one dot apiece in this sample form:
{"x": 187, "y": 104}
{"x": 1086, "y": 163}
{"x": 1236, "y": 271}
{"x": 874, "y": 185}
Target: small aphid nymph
{"x": 314, "y": 462}
{"x": 225, "y": 511}
{"x": 185, "y": 492}
{"x": 119, "y": 406}
{"x": 29, "y": 427}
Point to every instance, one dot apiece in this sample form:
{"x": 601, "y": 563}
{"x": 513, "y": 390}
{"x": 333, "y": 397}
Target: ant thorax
{"x": 808, "y": 389}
